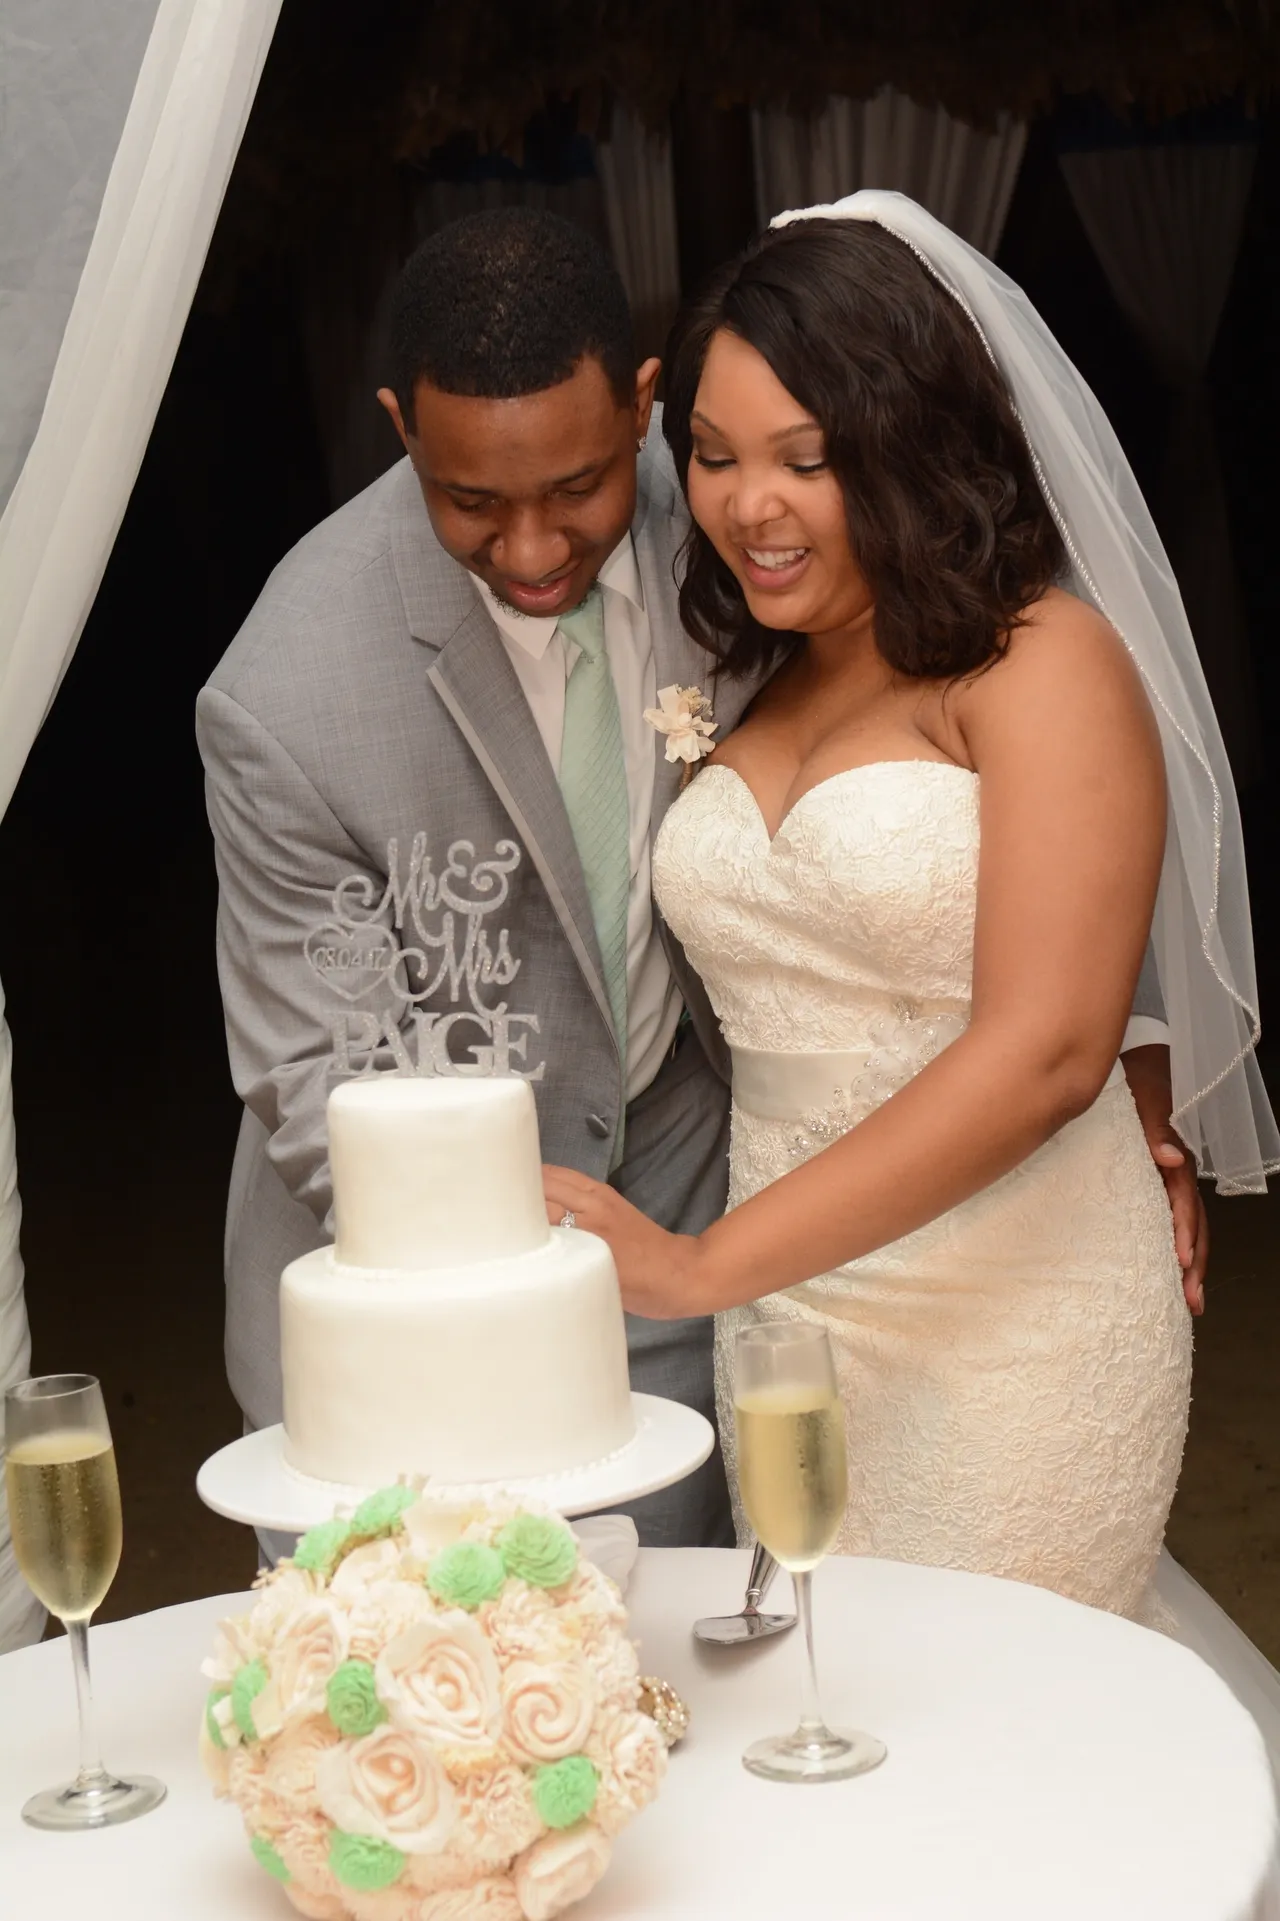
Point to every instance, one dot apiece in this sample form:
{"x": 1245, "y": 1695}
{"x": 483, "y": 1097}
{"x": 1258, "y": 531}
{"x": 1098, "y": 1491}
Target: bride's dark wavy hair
{"x": 946, "y": 519}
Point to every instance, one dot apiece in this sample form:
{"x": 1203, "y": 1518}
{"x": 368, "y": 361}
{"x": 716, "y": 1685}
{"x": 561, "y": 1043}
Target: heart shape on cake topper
{"x": 353, "y": 961}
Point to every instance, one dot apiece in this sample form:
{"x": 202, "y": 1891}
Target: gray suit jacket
{"x": 399, "y": 886}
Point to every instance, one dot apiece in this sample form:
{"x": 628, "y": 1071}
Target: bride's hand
{"x": 654, "y": 1267}
{"x": 1147, "y": 1071}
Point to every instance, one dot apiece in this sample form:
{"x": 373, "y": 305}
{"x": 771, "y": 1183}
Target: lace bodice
{"x": 1014, "y": 1372}
{"x": 859, "y": 911}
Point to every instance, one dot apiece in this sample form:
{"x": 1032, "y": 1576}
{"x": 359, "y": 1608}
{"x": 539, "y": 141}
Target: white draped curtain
{"x": 964, "y": 175}
{"x": 640, "y": 202}
{"x": 119, "y": 123}
{"x": 1165, "y": 222}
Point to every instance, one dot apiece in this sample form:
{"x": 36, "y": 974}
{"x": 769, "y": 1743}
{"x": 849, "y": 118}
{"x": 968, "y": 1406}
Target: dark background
{"x": 125, "y": 1114}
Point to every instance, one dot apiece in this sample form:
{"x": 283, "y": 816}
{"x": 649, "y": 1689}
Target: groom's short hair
{"x": 505, "y": 303}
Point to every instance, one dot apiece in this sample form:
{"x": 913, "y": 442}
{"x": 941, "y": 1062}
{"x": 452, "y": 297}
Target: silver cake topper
{"x": 433, "y": 930}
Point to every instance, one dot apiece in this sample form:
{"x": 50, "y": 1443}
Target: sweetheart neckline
{"x": 862, "y": 767}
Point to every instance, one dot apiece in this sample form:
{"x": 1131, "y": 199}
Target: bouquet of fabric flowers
{"x": 430, "y": 1714}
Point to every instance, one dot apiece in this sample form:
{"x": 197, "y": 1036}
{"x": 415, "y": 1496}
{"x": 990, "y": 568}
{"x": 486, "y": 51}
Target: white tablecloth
{"x": 1046, "y": 1763}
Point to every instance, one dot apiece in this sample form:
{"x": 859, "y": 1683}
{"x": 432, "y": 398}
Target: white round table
{"x": 1046, "y": 1763}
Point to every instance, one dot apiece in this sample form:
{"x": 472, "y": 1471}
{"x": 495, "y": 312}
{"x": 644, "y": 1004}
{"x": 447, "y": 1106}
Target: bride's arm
{"x": 1073, "y": 824}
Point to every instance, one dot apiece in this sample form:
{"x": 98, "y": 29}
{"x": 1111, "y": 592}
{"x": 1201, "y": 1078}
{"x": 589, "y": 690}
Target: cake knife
{"x": 731, "y": 1630}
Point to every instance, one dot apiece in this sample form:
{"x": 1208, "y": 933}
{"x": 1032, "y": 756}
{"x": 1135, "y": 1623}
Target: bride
{"x": 919, "y": 880}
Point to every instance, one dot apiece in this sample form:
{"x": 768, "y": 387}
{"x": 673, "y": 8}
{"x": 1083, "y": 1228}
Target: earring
{"x": 640, "y": 445}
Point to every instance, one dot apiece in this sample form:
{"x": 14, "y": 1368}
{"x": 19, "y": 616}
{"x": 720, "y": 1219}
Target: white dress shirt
{"x": 543, "y": 660}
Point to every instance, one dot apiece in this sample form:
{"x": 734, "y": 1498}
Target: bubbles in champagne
{"x": 792, "y": 1469}
{"x": 64, "y": 1515}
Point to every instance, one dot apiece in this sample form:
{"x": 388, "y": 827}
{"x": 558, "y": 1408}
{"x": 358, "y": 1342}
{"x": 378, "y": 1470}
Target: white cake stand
{"x": 250, "y": 1481}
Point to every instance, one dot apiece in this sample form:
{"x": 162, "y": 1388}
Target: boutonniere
{"x": 684, "y": 715}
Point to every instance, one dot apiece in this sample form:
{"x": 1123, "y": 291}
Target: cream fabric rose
{"x": 431, "y": 1524}
{"x": 292, "y": 1760}
{"x": 302, "y": 1842}
{"x": 301, "y": 1664}
{"x": 593, "y": 1596}
{"x": 389, "y": 1786}
{"x": 289, "y": 1590}
{"x": 247, "y": 1785}
{"x": 630, "y": 1757}
{"x": 491, "y": 1899}
{"x": 616, "y": 1667}
{"x": 440, "y": 1680}
{"x": 547, "y": 1708}
{"x": 228, "y": 1727}
{"x": 396, "y": 1903}
{"x": 523, "y": 1624}
{"x": 559, "y": 1869}
{"x": 496, "y": 1815}
{"x": 233, "y": 1646}
{"x": 375, "y": 1561}
{"x": 437, "y": 1873}
{"x": 385, "y": 1610}
{"x": 215, "y": 1761}
{"x": 316, "y": 1907}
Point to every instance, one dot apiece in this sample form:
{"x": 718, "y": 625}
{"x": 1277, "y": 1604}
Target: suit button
{"x": 599, "y": 1126}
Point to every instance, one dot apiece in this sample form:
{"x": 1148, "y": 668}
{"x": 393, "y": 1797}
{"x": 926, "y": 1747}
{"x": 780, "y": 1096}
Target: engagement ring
{"x": 568, "y": 1218}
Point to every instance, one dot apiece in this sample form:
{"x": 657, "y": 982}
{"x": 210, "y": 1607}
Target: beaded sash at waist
{"x": 786, "y": 1087}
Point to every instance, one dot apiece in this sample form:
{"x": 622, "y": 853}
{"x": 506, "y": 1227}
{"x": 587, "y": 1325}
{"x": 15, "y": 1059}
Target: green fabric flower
{"x": 266, "y": 1857}
{"x": 565, "y": 1791}
{"x": 466, "y": 1573}
{"x": 321, "y": 1546}
{"x": 247, "y": 1685}
{"x": 363, "y": 1864}
{"x": 211, "y": 1727}
{"x": 539, "y": 1550}
{"x": 352, "y": 1699}
{"x": 381, "y": 1513}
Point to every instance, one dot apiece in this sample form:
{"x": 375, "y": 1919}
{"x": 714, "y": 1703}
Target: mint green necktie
{"x": 593, "y": 782}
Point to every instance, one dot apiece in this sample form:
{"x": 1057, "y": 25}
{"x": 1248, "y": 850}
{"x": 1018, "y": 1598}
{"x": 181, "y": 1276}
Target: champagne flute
{"x": 793, "y": 1475}
{"x": 64, "y": 1516}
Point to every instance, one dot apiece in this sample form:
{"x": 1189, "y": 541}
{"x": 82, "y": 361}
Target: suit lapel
{"x": 676, "y": 659}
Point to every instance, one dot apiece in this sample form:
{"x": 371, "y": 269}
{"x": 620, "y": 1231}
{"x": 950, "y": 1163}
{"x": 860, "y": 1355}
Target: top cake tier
{"x": 434, "y": 1173}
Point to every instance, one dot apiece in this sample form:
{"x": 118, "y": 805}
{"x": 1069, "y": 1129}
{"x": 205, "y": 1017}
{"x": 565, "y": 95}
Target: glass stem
{"x": 92, "y": 1773}
{"x": 812, "y": 1725}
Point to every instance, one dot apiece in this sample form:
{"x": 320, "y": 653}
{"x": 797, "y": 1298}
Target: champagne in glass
{"x": 64, "y": 1515}
{"x": 793, "y": 1475}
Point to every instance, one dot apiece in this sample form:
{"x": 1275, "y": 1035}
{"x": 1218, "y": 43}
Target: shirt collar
{"x": 533, "y": 632}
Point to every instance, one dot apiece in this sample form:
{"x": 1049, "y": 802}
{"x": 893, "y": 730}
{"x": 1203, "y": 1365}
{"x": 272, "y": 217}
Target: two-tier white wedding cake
{"x": 449, "y": 1332}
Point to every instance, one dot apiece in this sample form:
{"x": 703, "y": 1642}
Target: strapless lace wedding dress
{"x": 1015, "y": 1374}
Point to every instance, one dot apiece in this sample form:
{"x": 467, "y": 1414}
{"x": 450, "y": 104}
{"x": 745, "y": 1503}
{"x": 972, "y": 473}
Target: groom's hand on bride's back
{"x": 1147, "y": 1072}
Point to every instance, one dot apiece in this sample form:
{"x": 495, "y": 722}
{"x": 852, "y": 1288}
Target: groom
{"x": 433, "y": 793}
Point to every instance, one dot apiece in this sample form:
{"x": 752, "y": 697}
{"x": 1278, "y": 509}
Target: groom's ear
{"x": 388, "y": 401}
{"x": 646, "y": 385}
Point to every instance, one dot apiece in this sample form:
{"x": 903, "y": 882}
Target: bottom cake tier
{"x": 507, "y": 1368}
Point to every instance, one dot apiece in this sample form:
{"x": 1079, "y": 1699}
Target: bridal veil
{"x": 1201, "y": 933}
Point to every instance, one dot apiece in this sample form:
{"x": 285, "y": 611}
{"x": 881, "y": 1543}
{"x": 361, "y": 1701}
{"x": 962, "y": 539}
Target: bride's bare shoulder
{"x": 1065, "y": 666}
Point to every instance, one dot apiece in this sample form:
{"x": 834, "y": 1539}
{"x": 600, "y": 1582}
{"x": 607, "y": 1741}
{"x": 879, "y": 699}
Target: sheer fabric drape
{"x": 1165, "y": 222}
{"x": 67, "y": 73}
{"x": 119, "y": 123}
{"x": 961, "y": 174}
